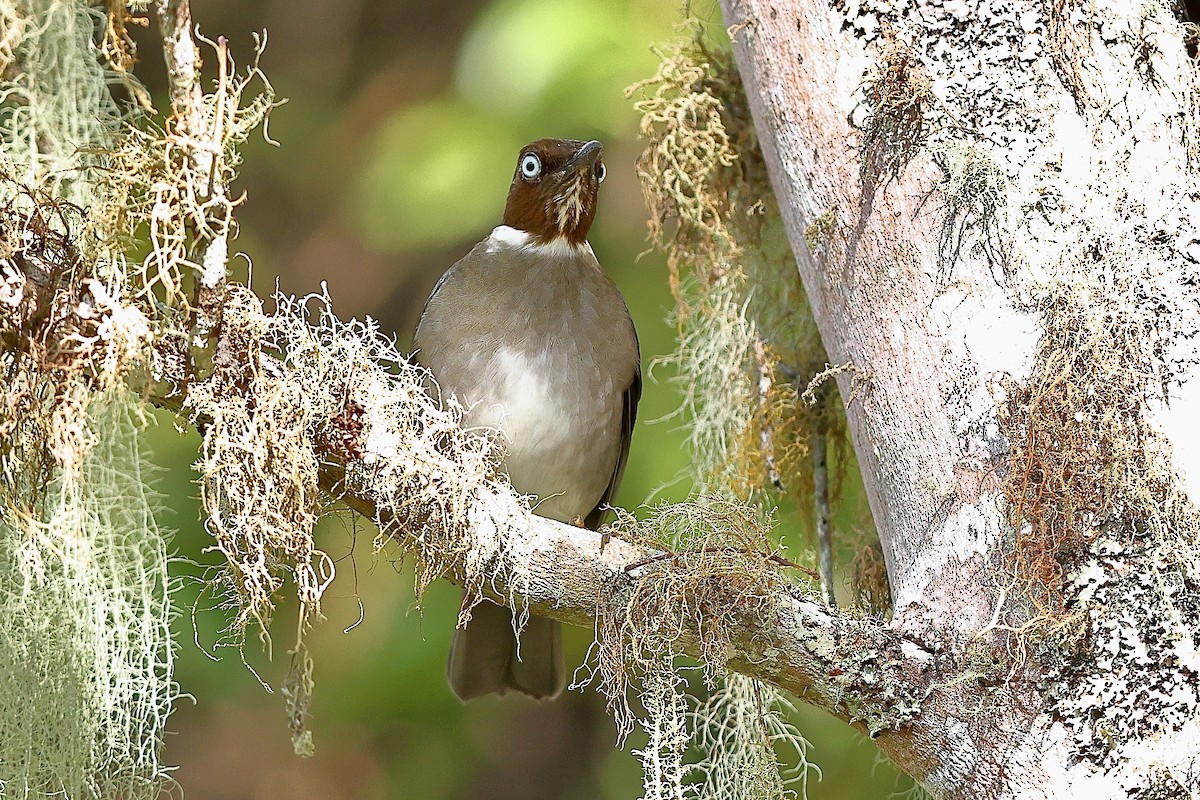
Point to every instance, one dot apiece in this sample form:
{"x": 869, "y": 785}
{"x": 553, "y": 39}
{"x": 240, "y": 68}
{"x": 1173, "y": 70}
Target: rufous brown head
{"x": 554, "y": 189}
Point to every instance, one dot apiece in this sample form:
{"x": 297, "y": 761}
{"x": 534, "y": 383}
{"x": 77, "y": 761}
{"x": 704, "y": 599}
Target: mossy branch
{"x": 856, "y": 669}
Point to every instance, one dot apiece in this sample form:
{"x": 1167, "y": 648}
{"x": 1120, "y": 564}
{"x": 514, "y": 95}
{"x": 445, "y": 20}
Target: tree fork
{"x": 844, "y": 104}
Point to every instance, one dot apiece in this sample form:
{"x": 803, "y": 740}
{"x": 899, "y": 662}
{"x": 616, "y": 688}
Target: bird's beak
{"x": 586, "y": 157}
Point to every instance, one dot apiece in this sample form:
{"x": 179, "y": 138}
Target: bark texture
{"x": 941, "y": 290}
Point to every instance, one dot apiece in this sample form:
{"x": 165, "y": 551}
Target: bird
{"x": 534, "y": 339}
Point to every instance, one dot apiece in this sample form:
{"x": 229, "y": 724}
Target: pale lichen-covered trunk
{"x": 995, "y": 213}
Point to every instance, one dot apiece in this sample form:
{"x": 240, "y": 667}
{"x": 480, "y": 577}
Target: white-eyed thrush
{"x": 534, "y": 339}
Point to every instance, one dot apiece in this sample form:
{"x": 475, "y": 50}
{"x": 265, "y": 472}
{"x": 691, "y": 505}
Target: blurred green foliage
{"x": 428, "y": 167}
{"x": 535, "y": 60}
{"x": 396, "y": 149}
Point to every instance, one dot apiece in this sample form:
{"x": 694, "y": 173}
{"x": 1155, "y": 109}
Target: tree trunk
{"x": 1001, "y": 203}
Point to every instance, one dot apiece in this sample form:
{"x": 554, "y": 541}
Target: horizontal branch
{"x": 859, "y": 670}
{"x": 856, "y": 669}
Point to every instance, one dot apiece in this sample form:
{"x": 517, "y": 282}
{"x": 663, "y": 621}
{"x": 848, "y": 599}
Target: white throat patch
{"x": 507, "y": 237}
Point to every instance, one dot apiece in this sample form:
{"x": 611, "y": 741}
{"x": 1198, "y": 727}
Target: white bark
{"x": 1086, "y": 107}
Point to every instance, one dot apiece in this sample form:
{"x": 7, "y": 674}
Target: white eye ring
{"x": 531, "y": 166}
{"x": 601, "y": 172}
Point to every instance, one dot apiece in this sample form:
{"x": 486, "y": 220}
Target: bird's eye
{"x": 531, "y": 166}
{"x": 600, "y": 172}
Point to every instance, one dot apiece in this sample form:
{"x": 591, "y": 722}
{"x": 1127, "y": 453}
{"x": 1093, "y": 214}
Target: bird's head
{"x": 554, "y": 189}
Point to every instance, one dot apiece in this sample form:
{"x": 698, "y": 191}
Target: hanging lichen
{"x": 747, "y": 346}
{"x": 972, "y": 192}
{"x": 897, "y": 95}
{"x": 297, "y": 381}
{"x": 747, "y": 340}
{"x": 81, "y": 180}
{"x": 85, "y": 649}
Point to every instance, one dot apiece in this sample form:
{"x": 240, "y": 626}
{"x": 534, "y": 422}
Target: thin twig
{"x": 821, "y": 504}
{"x": 774, "y": 558}
{"x": 183, "y": 66}
{"x": 767, "y": 434}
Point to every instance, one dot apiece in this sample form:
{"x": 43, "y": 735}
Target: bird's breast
{"x": 561, "y": 420}
{"x": 542, "y": 349}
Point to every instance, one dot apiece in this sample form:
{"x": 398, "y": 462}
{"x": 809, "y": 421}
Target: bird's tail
{"x": 484, "y": 660}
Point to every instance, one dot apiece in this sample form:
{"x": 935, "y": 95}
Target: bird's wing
{"x": 437, "y": 287}
{"x": 446, "y": 276}
{"x": 633, "y": 393}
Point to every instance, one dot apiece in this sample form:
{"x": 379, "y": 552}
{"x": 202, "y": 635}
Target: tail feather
{"x": 484, "y": 658}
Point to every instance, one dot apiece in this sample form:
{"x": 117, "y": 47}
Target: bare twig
{"x": 767, "y": 435}
{"x": 774, "y": 558}
{"x": 821, "y": 504}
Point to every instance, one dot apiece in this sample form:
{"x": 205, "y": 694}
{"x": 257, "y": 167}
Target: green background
{"x": 396, "y": 145}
